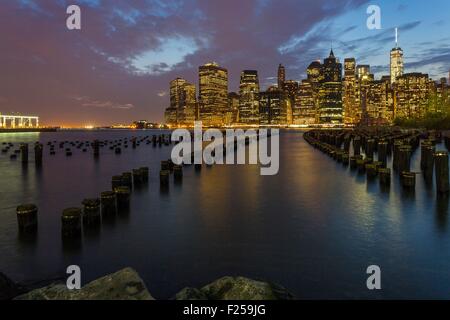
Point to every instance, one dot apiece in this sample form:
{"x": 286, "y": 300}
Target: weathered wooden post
{"x": 108, "y": 202}
{"x": 127, "y": 180}
{"x": 371, "y": 170}
{"x": 356, "y": 146}
{"x": 442, "y": 183}
{"x": 96, "y": 148}
{"x": 382, "y": 152}
{"x": 397, "y": 145}
{"x": 91, "y": 217}
{"x": 144, "y": 174}
{"x": 38, "y": 148}
{"x": 71, "y": 222}
{"x": 116, "y": 181}
{"x": 27, "y": 218}
{"x": 164, "y": 178}
{"x": 137, "y": 177}
{"x": 408, "y": 179}
{"x": 370, "y": 146}
{"x": 123, "y": 194}
{"x": 385, "y": 176}
{"x": 404, "y": 157}
{"x": 24, "y": 153}
{"x": 178, "y": 173}
{"x": 428, "y": 152}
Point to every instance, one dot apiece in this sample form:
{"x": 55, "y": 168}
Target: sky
{"x": 117, "y": 68}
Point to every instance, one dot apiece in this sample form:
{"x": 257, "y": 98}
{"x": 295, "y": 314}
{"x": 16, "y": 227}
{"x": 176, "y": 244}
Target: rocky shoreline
{"x": 126, "y": 284}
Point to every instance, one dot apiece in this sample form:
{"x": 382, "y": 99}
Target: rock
{"x": 236, "y": 288}
{"x": 190, "y": 294}
{"x": 122, "y": 285}
{"x": 9, "y": 289}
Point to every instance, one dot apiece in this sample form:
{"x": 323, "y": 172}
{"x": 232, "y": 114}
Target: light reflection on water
{"x": 313, "y": 228}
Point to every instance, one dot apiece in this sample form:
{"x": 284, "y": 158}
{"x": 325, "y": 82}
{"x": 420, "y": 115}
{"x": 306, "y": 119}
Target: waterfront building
{"x": 411, "y": 94}
{"x": 290, "y": 87}
{"x": 183, "y": 103}
{"x": 379, "y": 101}
{"x": 330, "y": 109}
{"x": 275, "y": 108}
{"x": 314, "y": 72}
{"x": 213, "y": 94}
{"x": 362, "y": 70}
{"x": 351, "y": 96}
{"x": 248, "y": 97}
{"x": 332, "y": 69}
{"x": 304, "y": 108}
{"x": 330, "y": 103}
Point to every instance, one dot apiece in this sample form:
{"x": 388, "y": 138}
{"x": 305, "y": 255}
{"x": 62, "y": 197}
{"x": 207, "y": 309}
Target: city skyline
{"x": 333, "y": 93}
{"x": 98, "y": 75}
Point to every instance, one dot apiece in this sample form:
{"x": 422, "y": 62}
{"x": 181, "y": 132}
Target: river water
{"x": 314, "y": 228}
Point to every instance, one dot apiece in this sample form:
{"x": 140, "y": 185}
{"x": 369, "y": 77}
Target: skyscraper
{"x": 213, "y": 94}
{"x": 275, "y": 108}
{"x": 362, "y": 70}
{"x": 304, "y": 108}
{"x": 281, "y": 76}
{"x": 330, "y": 91}
{"x": 248, "y": 97}
{"x": 351, "y": 101}
{"x": 183, "y": 103}
{"x": 332, "y": 69}
{"x": 411, "y": 93}
{"x": 396, "y": 61}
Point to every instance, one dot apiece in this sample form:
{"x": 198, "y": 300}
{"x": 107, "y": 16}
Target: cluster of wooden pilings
{"x": 69, "y": 147}
{"x": 109, "y": 204}
{"x": 386, "y": 143}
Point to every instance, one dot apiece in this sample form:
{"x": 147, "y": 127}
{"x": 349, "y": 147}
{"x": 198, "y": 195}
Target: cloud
{"x": 129, "y": 50}
{"x": 88, "y": 102}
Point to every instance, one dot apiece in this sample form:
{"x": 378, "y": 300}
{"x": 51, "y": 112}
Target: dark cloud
{"x": 126, "y": 53}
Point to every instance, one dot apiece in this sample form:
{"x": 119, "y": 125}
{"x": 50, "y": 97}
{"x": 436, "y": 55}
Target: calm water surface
{"x": 313, "y": 228}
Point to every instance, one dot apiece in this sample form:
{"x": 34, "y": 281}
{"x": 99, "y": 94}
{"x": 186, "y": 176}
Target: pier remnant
{"x": 27, "y": 217}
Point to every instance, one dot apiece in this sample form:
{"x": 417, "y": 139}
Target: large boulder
{"x": 122, "y": 285}
{"x": 236, "y": 288}
{"x": 9, "y": 289}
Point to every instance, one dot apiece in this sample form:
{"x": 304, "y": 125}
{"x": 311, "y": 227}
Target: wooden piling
{"x": 108, "y": 203}
{"x": 71, "y": 222}
{"x": 91, "y": 216}
{"x": 442, "y": 175}
{"x": 27, "y": 218}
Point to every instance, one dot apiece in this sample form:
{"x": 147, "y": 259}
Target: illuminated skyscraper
{"x": 183, "y": 103}
{"x": 362, "y": 70}
{"x": 290, "y": 88}
{"x": 275, "y": 108}
{"x": 281, "y": 76}
{"x": 304, "y": 108}
{"x": 396, "y": 60}
{"x": 351, "y": 101}
{"x": 248, "y": 97}
{"x": 332, "y": 69}
{"x": 314, "y": 71}
{"x": 213, "y": 94}
{"x": 330, "y": 92}
{"x": 411, "y": 93}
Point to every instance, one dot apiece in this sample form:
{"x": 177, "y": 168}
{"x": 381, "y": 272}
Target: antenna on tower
{"x": 396, "y": 37}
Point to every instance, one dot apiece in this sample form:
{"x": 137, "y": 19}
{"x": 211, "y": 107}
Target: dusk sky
{"x": 117, "y": 68}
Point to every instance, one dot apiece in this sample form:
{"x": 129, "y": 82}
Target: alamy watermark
{"x": 232, "y": 143}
